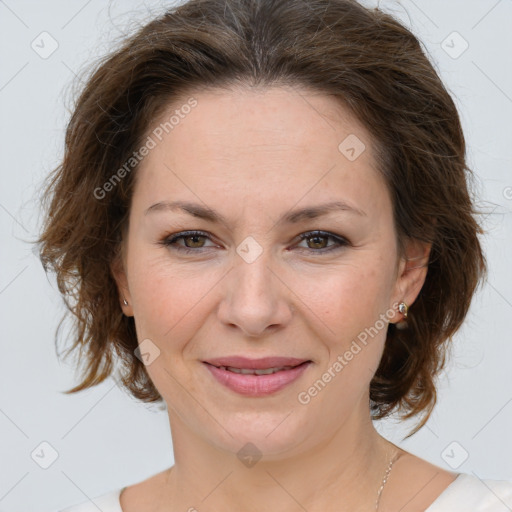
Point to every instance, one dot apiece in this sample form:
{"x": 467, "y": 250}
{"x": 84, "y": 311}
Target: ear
{"x": 118, "y": 270}
{"x": 412, "y": 271}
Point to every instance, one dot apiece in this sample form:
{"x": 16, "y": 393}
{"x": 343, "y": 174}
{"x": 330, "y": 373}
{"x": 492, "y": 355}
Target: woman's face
{"x": 248, "y": 286}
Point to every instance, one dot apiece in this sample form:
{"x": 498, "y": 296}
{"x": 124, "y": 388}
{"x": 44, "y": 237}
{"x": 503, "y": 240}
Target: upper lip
{"x": 255, "y": 364}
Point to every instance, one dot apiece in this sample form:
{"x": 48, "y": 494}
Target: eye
{"x": 317, "y": 236}
{"x": 192, "y": 240}
{"x": 195, "y": 241}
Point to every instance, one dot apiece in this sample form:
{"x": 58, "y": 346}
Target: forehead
{"x": 259, "y": 115}
{"x": 259, "y": 145}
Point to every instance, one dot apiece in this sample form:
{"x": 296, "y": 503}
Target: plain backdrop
{"x": 101, "y": 439}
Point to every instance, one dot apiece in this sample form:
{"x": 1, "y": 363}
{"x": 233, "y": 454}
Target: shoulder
{"x": 108, "y": 502}
{"x": 137, "y": 496}
{"x": 469, "y": 492}
{"x": 141, "y": 496}
{"x": 420, "y": 485}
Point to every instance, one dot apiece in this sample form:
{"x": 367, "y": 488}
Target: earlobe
{"x": 119, "y": 274}
{"x": 403, "y": 308}
{"x": 413, "y": 270}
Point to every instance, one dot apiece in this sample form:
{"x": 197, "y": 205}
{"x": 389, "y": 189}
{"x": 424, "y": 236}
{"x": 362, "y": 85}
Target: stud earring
{"x": 124, "y": 302}
{"x": 403, "y": 308}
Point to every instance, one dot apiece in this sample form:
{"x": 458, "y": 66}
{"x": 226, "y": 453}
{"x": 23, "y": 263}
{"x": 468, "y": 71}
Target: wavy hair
{"x": 362, "y": 56}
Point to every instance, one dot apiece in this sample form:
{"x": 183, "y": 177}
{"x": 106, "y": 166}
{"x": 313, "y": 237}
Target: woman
{"x": 263, "y": 215}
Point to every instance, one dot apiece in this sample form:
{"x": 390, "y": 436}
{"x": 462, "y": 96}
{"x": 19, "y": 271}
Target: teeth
{"x": 247, "y": 371}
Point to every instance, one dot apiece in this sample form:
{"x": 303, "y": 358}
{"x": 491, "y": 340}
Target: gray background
{"x": 103, "y": 438}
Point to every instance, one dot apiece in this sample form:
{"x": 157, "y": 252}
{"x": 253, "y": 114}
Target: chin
{"x": 271, "y": 435}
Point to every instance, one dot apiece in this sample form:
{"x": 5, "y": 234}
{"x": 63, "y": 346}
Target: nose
{"x": 254, "y": 297}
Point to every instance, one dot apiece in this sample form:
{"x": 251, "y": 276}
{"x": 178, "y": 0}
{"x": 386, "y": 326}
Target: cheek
{"x": 154, "y": 292}
{"x": 349, "y": 298}
{"x": 168, "y": 298}
{"x": 355, "y": 308}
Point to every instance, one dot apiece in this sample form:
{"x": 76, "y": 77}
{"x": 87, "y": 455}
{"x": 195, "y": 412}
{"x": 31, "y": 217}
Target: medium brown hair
{"x": 363, "y": 57}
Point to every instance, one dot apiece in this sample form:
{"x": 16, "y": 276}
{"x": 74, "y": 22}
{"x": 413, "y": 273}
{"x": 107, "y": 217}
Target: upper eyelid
{"x": 301, "y": 236}
{"x": 184, "y": 234}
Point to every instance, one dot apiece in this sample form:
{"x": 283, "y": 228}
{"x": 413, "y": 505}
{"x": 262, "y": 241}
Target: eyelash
{"x": 171, "y": 240}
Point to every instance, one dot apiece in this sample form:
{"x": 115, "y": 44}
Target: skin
{"x": 254, "y": 154}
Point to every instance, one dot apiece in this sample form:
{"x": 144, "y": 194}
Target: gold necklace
{"x": 385, "y": 479}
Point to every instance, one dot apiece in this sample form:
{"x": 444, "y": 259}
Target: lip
{"x": 257, "y": 385}
{"x": 255, "y": 364}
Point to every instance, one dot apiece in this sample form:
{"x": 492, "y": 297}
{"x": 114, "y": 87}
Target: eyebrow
{"x": 203, "y": 212}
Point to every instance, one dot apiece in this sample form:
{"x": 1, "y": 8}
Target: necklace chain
{"x": 385, "y": 479}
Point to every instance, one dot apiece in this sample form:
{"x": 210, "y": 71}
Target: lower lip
{"x": 257, "y": 385}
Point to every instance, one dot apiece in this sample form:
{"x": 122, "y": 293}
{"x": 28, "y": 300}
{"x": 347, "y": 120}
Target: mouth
{"x": 262, "y": 363}
{"x": 256, "y": 377}
{"x": 249, "y": 371}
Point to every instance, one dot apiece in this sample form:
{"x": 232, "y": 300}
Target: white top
{"x": 467, "y": 493}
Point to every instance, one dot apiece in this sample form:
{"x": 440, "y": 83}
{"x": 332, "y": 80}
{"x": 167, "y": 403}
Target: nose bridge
{"x": 253, "y": 274}
{"x": 254, "y": 299}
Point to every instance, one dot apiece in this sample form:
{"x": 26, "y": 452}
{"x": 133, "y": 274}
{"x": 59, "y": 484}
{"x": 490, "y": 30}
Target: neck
{"x": 344, "y": 472}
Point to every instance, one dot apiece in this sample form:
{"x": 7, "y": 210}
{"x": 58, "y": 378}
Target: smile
{"x": 257, "y": 381}
{"x": 250, "y": 371}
